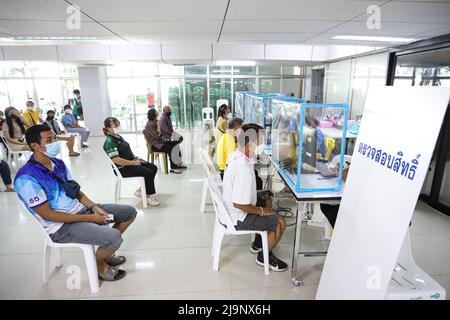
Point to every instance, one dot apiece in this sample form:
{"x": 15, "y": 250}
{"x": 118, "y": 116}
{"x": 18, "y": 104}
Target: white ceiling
{"x": 246, "y": 21}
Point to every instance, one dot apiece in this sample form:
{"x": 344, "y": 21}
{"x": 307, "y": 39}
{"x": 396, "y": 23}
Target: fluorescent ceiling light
{"x": 52, "y": 38}
{"x": 374, "y": 38}
{"x": 241, "y": 63}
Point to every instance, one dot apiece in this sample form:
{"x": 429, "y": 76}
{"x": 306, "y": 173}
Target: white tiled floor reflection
{"x": 169, "y": 247}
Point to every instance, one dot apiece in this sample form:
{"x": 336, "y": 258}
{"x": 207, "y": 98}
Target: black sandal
{"x": 113, "y": 275}
{"x": 116, "y": 261}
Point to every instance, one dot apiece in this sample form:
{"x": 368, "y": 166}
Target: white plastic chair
{"x": 120, "y": 179}
{"x": 209, "y": 171}
{"x": 11, "y": 152}
{"x": 208, "y": 116}
{"x": 88, "y": 251}
{"x": 224, "y": 226}
{"x": 409, "y": 282}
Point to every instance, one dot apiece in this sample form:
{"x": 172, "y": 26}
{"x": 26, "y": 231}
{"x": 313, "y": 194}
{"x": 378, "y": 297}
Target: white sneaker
{"x": 152, "y": 200}
{"x": 138, "y": 193}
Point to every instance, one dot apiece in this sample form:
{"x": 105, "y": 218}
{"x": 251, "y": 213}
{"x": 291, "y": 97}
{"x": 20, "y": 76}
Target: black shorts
{"x": 258, "y": 223}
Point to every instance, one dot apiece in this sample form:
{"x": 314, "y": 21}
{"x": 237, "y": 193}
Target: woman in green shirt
{"x": 128, "y": 164}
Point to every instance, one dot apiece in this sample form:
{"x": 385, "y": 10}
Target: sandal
{"x": 113, "y": 275}
{"x": 75, "y": 154}
{"x": 175, "y": 171}
{"x": 116, "y": 261}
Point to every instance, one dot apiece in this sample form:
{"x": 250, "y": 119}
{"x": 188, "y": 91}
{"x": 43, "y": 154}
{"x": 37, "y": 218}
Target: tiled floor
{"x": 169, "y": 247}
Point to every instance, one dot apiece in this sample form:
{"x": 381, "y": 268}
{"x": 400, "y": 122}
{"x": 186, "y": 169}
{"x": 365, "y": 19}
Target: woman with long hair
{"x": 14, "y": 129}
{"x": 222, "y": 122}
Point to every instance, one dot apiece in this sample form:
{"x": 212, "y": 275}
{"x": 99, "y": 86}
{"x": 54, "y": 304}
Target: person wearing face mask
{"x": 119, "y": 151}
{"x": 222, "y": 122}
{"x": 153, "y": 138}
{"x": 32, "y": 115}
{"x": 46, "y": 188}
{"x": 240, "y": 197}
{"x": 227, "y": 144}
{"x": 61, "y": 134}
{"x": 14, "y": 129}
{"x": 70, "y": 122}
{"x": 166, "y": 128}
{"x": 78, "y": 107}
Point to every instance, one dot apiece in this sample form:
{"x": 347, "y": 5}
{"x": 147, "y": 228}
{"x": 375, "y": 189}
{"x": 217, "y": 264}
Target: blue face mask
{"x": 53, "y": 149}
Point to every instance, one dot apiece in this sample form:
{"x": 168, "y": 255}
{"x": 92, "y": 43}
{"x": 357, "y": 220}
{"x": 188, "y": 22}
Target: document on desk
{"x": 389, "y": 164}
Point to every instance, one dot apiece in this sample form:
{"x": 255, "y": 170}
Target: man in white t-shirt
{"x": 240, "y": 196}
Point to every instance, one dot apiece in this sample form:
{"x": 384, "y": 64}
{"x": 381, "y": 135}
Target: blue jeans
{"x": 91, "y": 233}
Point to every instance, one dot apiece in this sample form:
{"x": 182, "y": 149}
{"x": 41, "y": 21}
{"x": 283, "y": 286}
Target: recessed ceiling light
{"x": 374, "y": 38}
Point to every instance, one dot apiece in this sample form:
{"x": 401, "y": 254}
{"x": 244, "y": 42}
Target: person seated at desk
{"x": 330, "y": 211}
{"x": 5, "y": 173}
{"x": 153, "y": 137}
{"x": 314, "y": 123}
{"x": 53, "y": 125}
{"x": 32, "y": 115}
{"x": 240, "y": 197}
{"x": 227, "y": 144}
{"x": 45, "y": 186}
{"x": 14, "y": 130}
{"x": 70, "y": 122}
{"x": 119, "y": 151}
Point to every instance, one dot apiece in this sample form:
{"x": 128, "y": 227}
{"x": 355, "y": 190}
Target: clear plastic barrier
{"x": 308, "y": 160}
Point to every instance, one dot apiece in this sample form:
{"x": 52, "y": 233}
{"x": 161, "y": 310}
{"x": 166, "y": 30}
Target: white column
{"x": 94, "y": 96}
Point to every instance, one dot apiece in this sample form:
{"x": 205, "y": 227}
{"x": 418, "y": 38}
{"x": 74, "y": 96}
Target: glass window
{"x": 196, "y": 100}
{"x": 170, "y": 70}
{"x": 172, "y": 95}
{"x": 121, "y": 94}
{"x": 244, "y": 70}
{"x": 219, "y": 89}
{"x": 40, "y": 69}
{"x": 49, "y": 95}
{"x": 244, "y": 84}
{"x": 119, "y": 70}
{"x": 269, "y": 85}
{"x": 292, "y": 87}
{"x": 68, "y": 85}
{"x": 194, "y": 70}
{"x": 15, "y": 69}
{"x": 4, "y": 99}
{"x": 68, "y": 70}
{"x": 144, "y": 69}
{"x": 293, "y": 70}
{"x": 219, "y": 70}
{"x": 269, "y": 70}
{"x": 337, "y": 81}
{"x": 146, "y": 93}
{"x": 20, "y": 91}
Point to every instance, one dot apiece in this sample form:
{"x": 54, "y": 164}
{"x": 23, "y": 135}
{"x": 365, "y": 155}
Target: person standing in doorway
{"x": 78, "y": 107}
{"x": 150, "y": 99}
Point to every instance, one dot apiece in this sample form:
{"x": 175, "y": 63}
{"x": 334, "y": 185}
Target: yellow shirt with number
{"x": 32, "y": 116}
{"x": 225, "y": 147}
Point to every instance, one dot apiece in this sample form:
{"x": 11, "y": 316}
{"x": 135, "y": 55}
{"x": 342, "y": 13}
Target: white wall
{"x": 95, "y": 98}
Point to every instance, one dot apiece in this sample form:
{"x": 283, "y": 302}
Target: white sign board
{"x": 395, "y": 142}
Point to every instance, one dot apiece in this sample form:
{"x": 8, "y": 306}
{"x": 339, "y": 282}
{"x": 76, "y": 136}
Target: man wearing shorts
{"x": 240, "y": 197}
{"x": 46, "y": 188}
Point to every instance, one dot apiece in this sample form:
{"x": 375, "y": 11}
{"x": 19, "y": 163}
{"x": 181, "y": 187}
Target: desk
{"x": 336, "y": 133}
{"x": 302, "y": 199}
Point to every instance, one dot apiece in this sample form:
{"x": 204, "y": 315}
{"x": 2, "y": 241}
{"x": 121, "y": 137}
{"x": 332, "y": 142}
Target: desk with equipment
{"x": 298, "y": 155}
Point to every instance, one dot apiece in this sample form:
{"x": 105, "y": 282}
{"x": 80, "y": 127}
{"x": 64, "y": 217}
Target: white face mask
{"x": 68, "y": 111}
{"x": 229, "y": 116}
{"x": 116, "y": 130}
{"x": 30, "y": 107}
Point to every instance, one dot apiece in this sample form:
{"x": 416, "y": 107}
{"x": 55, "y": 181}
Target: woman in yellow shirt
{"x": 222, "y": 122}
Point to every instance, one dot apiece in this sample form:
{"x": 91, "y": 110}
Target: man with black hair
{"x": 61, "y": 134}
{"x": 240, "y": 196}
{"x": 46, "y": 188}
{"x": 78, "y": 108}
